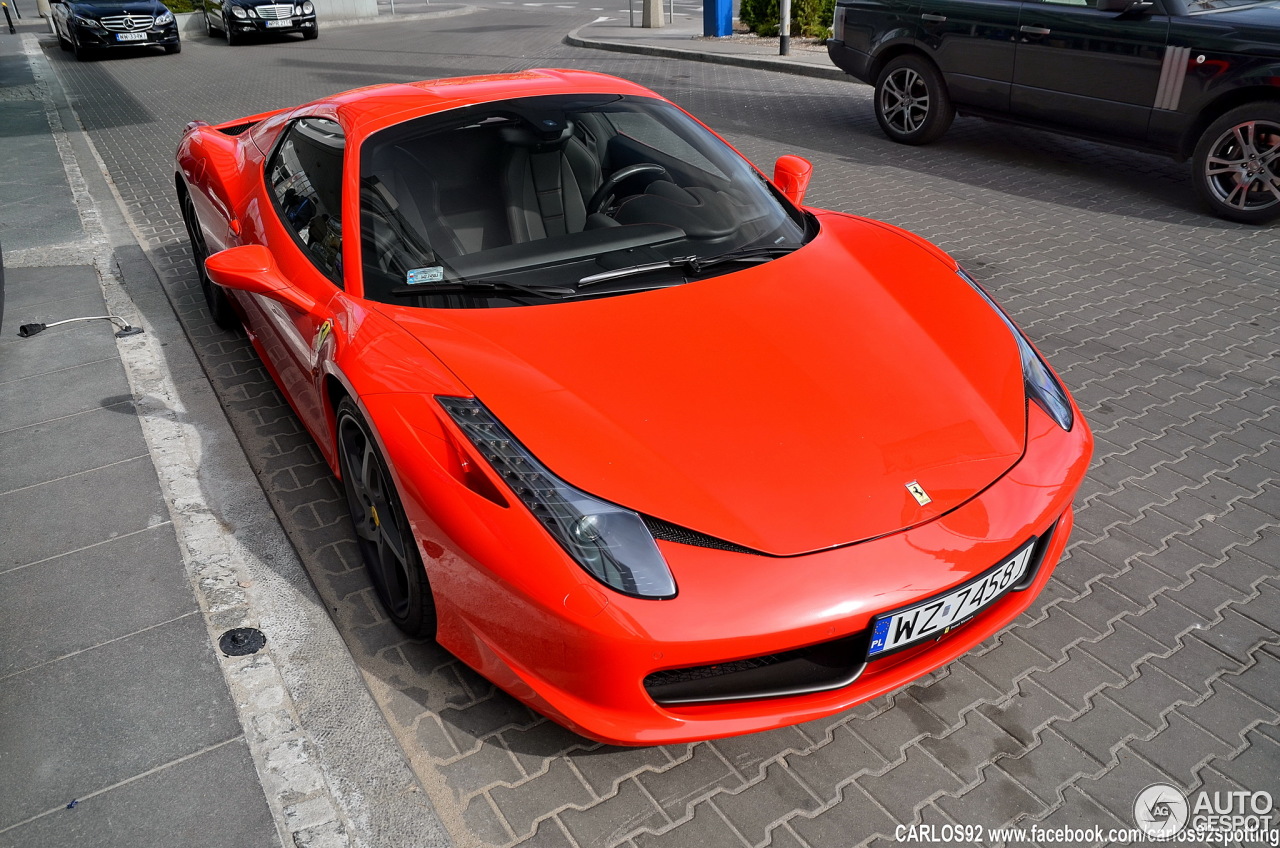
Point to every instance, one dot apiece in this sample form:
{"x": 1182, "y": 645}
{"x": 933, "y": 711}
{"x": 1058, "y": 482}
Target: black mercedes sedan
{"x": 83, "y": 26}
{"x": 236, "y": 19}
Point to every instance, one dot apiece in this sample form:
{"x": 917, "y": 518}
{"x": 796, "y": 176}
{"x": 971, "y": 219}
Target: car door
{"x": 213, "y": 12}
{"x": 61, "y": 28}
{"x": 300, "y": 219}
{"x": 1082, "y": 68}
{"x": 972, "y": 42}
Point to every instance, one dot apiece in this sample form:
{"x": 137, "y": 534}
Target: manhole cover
{"x": 242, "y": 641}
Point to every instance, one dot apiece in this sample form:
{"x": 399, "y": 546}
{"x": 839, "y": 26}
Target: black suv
{"x": 86, "y": 25}
{"x": 238, "y": 18}
{"x": 1197, "y": 79}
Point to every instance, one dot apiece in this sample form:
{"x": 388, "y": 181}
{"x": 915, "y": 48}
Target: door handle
{"x": 937, "y": 19}
{"x": 1035, "y": 30}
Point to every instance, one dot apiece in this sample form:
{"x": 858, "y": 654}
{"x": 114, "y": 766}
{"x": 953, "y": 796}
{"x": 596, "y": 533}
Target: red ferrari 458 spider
{"x": 655, "y": 448}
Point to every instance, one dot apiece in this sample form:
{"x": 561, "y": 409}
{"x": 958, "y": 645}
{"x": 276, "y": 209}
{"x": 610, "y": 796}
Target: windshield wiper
{"x": 692, "y": 265}
{"x": 450, "y": 286}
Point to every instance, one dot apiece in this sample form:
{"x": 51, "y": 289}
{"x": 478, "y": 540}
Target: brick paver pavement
{"x": 1152, "y": 656}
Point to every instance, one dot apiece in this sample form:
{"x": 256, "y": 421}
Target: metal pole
{"x": 8, "y": 19}
{"x": 784, "y": 28}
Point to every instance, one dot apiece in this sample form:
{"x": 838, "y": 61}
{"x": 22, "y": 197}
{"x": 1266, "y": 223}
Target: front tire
{"x": 1236, "y": 165}
{"x": 383, "y": 534}
{"x": 232, "y": 38}
{"x": 173, "y": 48}
{"x": 311, "y": 34}
{"x": 912, "y": 102}
{"x": 81, "y": 53}
{"x": 220, "y": 308}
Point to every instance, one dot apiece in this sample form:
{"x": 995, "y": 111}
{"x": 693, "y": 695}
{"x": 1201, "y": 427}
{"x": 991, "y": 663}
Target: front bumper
{"x": 97, "y": 38}
{"x": 513, "y": 607}
{"x": 299, "y": 23}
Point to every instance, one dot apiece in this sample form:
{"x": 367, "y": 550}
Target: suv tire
{"x": 1236, "y": 165}
{"x": 912, "y": 102}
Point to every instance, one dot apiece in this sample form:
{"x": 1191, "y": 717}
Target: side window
{"x": 305, "y": 176}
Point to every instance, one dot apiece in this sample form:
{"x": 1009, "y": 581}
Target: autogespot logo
{"x": 1160, "y": 810}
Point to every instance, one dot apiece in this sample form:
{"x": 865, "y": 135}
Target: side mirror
{"x": 1125, "y": 7}
{"x": 252, "y": 268}
{"x": 791, "y": 175}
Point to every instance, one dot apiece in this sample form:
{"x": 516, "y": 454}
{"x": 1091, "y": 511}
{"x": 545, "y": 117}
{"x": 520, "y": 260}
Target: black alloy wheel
{"x": 911, "y": 100}
{"x": 220, "y": 309}
{"x": 1237, "y": 164}
{"x": 382, "y": 531}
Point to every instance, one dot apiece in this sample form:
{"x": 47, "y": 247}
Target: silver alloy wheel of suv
{"x": 1237, "y": 164}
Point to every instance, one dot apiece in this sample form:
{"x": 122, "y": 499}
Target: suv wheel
{"x": 912, "y": 103}
{"x": 1237, "y": 164}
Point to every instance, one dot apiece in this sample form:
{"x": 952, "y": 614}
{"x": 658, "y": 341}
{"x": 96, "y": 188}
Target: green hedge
{"x": 178, "y": 6}
{"x": 810, "y": 18}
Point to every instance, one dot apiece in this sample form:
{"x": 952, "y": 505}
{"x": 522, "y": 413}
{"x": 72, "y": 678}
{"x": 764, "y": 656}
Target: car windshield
{"x": 1194, "y": 6}
{"x": 537, "y": 199}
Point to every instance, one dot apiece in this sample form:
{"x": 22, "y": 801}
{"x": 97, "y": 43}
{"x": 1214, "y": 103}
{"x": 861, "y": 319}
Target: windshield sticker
{"x": 418, "y": 276}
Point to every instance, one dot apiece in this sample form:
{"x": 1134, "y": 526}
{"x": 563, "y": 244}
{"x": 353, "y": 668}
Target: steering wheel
{"x": 604, "y": 195}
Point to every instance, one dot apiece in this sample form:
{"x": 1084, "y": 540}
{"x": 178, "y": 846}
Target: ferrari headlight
{"x": 165, "y": 17}
{"x": 611, "y": 543}
{"x": 239, "y": 12}
{"x": 1042, "y": 387}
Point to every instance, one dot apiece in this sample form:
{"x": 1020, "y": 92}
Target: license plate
{"x": 274, "y": 24}
{"x": 943, "y": 613}
{"x": 131, "y": 36}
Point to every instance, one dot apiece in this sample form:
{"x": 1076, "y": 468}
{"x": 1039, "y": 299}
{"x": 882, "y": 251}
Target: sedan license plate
{"x": 131, "y": 36}
{"x": 274, "y": 24}
{"x": 941, "y": 613}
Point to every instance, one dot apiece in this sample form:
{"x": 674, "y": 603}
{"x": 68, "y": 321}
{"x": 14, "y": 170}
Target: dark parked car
{"x": 237, "y": 18}
{"x": 86, "y": 25}
{"x": 1194, "y": 79}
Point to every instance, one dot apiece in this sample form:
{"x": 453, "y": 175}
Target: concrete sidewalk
{"x": 135, "y": 536}
{"x": 683, "y": 39}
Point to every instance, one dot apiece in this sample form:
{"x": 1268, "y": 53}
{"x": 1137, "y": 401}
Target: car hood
{"x": 784, "y": 407}
{"x": 101, "y": 10}
{"x": 1251, "y": 30}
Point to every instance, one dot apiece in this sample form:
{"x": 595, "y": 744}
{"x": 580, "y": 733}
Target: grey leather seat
{"x": 548, "y": 175}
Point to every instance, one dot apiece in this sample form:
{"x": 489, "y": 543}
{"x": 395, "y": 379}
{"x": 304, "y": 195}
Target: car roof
{"x": 365, "y": 110}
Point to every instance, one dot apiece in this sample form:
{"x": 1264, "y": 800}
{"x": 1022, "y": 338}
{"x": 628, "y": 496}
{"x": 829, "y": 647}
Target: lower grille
{"x": 275, "y": 12}
{"x": 817, "y": 668}
{"x": 126, "y": 23}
